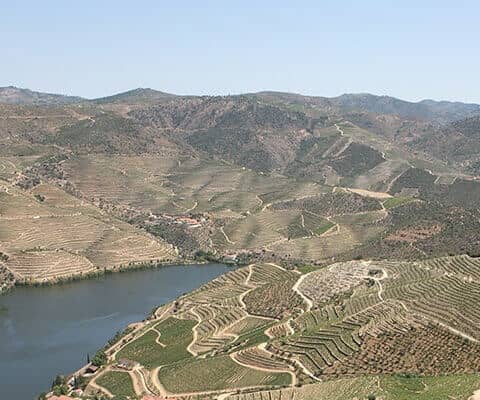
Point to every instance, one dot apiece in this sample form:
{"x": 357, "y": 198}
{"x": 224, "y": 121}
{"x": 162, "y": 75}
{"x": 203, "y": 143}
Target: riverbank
{"x": 7, "y": 286}
{"x": 51, "y": 330}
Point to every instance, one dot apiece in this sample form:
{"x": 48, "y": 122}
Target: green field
{"x": 118, "y": 383}
{"x": 252, "y": 338}
{"x": 305, "y": 269}
{"x": 176, "y": 334}
{"x": 396, "y": 201}
{"x": 216, "y": 373}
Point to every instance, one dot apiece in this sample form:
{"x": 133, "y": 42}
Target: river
{"x": 47, "y": 331}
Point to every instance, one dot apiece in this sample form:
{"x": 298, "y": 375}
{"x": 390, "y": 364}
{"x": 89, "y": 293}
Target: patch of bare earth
{"x": 414, "y": 234}
{"x": 369, "y": 193}
{"x": 475, "y": 396}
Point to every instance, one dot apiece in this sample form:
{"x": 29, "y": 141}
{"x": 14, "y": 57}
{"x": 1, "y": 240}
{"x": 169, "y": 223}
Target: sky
{"x": 407, "y": 49}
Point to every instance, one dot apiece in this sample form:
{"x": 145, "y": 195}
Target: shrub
{"x": 59, "y": 380}
{"x": 99, "y": 359}
{"x": 39, "y": 198}
{"x": 60, "y": 390}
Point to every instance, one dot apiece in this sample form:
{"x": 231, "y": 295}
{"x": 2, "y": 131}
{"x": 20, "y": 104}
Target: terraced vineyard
{"x": 263, "y": 332}
{"x": 286, "y": 183}
{"x": 238, "y": 213}
{"x": 47, "y": 235}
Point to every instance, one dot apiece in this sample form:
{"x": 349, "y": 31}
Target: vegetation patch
{"x": 274, "y": 300}
{"x": 117, "y": 382}
{"x": 396, "y": 387}
{"x": 318, "y": 230}
{"x": 396, "y": 201}
{"x": 173, "y": 333}
{"x": 216, "y": 373}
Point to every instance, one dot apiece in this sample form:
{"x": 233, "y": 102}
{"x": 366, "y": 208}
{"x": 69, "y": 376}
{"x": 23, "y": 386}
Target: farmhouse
{"x": 91, "y": 369}
{"x": 230, "y": 257}
{"x": 126, "y": 364}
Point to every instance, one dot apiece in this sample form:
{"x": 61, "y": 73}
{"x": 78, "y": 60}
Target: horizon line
{"x": 425, "y": 99}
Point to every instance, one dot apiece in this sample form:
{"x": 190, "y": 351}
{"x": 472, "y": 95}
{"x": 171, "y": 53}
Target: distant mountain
{"x": 426, "y": 110}
{"x": 469, "y": 127}
{"x": 138, "y": 95}
{"x": 439, "y": 111}
{"x": 457, "y": 142}
{"x": 14, "y": 95}
{"x": 343, "y": 140}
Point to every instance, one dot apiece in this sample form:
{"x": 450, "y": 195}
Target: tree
{"x": 60, "y": 390}
{"x": 371, "y": 397}
{"x": 59, "y": 380}
{"x": 81, "y": 382}
{"x": 99, "y": 359}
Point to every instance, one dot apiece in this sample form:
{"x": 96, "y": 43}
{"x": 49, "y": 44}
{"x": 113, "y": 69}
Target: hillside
{"x": 38, "y": 244}
{"x": 357, "y": 218}
{"x": 442, "y": 111}
{"x": 267, "y": 176}
{"x": 357, "y": 329}
{"x": 427, "y": 110}
{"x": 14, "y": 95}
{"x": 143, "y": 95}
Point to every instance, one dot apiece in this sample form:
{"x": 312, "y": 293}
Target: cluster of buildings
{"x": 188, "y": 222}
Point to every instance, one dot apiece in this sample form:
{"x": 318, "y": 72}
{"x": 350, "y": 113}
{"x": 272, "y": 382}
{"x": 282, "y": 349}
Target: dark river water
{"x": 50, "y": 330}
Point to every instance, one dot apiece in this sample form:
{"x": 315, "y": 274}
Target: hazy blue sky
{"x": 409, "y": 49}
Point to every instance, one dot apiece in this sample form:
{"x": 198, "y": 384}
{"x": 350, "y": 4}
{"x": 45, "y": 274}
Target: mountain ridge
{"x": 24, "y": 96}
{"x": 426, "y": 109}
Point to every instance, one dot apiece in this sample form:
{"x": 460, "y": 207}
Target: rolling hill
{"x": 354, "y": 219}
{"x": 15, "y": 95}
{"x": 265, "y": 176}
{"x": 383, "y": 330}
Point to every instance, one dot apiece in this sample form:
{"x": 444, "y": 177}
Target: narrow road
{"x": 343, "y": 148}
{"x": 392, "y": 182}
{"x": 192, "y": 208}
{"x": 340, "y": 130}
{"x": 93, "y": 384}
{"x": 101, "y": 389}
{"x": 225, "y": 236}
{"x": 195, "y": 333}
{"x": 157, "y": 340}
{"x": 138, "y": 387}
{"x": 296, "y": 289}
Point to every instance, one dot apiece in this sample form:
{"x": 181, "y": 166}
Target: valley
{"x": 150, "y": 179}
{"x": 352, "y": 223}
